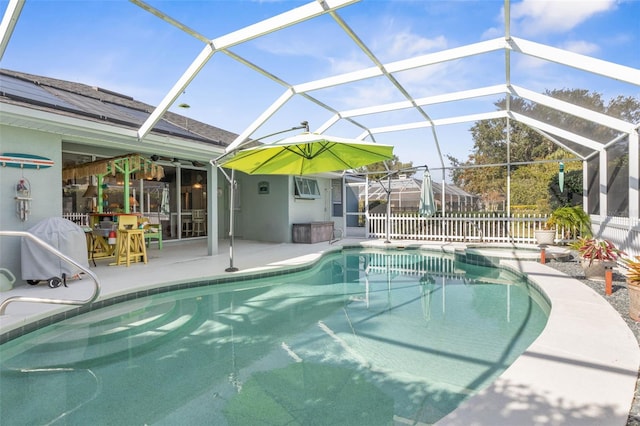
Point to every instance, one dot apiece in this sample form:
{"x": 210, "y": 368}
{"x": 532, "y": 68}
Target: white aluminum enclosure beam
{"x": 439, "y": 122}
{"x": 557, "y": 142}
{"x": 250, "y": 32}
{"x": 403, "y": 65}
{"x": 603, "y": 182}
{"x": 447, "y": 55}
{"x": 330, "y": 122}
{"x": 11, "y": 14}
{"x": 634, "y": 175}
{"x": 170, "y": 20}
{"x": 575, "y": 60}
{"x": 575, "y": 110}
{"x": 278, "y": 22}
{"x": 260, "y": 120}
{"x": 389, "y": 77}
{"x": 548, "y": 101}
{"x": 557, "y": 131}
{"x": 430, "y": 100}
{"x": 176, "y": 91}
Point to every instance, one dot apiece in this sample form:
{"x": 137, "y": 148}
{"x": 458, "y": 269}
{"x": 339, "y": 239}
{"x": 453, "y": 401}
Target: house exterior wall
{"x": 305, "y": 211}
{"x": 270, "y": 216}
{"x": 263, "y": 216}
{"x": 45, "y": 185}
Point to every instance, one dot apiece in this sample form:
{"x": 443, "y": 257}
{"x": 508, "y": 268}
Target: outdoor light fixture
{"x": 154, "y": 157}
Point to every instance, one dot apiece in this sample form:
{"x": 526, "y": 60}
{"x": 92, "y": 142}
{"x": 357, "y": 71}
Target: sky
{"x": 119, "y": 46}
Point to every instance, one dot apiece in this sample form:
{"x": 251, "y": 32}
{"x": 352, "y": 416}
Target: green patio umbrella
{"x": 307, "y": 393}
{"x": 303, "y": 154}
{"x": 308, "y": 153}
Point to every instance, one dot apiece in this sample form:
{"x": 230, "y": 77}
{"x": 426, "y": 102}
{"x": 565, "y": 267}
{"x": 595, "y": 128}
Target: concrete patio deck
{"x": 582, "y": 369}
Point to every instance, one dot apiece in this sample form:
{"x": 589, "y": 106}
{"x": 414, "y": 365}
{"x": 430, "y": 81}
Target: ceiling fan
{"x": 177, "y": 161}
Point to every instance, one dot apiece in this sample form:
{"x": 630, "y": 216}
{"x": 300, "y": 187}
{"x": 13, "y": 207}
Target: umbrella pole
{"x": 231, "y": 268}
{"x": 388, "y": 209}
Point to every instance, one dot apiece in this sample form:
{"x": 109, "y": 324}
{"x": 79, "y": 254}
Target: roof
{"x": 100, "y": 105}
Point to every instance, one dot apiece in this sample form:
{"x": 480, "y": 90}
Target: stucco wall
{"x": 269, "y": 217}
{"x": 305, "y": 211}
{"x": 263, "y": 216}
{"x": 45, "y": 189}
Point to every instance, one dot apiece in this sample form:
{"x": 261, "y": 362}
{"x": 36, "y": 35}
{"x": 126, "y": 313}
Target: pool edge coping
{"x": 590, "y": 374}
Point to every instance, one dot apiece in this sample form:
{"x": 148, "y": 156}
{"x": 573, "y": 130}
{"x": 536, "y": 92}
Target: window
{"x": 306, "y": 188}
{"x": 336, "y": 197}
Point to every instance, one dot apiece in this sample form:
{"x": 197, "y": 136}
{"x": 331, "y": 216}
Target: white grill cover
{"x": 63, "y": 235}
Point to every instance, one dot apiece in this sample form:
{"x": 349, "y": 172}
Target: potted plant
{"x": 596, "y": 254}
{"x": 573, "y": 220}
{"x": 545, "y": 235}
{"x": 633, "y": 287}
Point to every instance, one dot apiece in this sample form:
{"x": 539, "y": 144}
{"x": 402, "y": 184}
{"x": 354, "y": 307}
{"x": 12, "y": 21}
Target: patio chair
{"x": 198, "y": 218}
{"x": 187, "y": 225}
{"x": 151, "y": 232}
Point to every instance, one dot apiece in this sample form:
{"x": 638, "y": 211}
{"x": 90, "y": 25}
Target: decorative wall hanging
{"x": 25, "y": 161}
{"x": 263, "y": 187}
{"x": 23, "y": 199}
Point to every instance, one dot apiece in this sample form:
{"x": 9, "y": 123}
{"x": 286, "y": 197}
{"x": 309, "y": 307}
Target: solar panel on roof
{"x": 20, "y": 89}
{"x": 16, "y": 88}
{"x": 161, "y": 125}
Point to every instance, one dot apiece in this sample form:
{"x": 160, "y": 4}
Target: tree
{"x": 527, "y": 145}
{"x": 572, "y": 192}
{"x": 394, "y": 164}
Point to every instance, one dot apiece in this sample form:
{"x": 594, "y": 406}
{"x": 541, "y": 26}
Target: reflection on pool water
{"x": 364, "y": 337}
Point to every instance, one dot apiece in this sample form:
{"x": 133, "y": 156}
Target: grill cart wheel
{"x": 54, "y": 282}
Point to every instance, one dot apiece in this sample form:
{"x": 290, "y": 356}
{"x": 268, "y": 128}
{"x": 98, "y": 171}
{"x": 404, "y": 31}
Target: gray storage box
{"x": 313, "y": 232}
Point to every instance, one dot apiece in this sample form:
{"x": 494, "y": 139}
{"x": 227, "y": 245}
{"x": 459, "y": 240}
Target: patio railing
{"x": 81, "y": 219}
{"x": 488, "y": 228}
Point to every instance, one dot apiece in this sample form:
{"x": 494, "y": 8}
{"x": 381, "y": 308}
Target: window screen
{"x": 306, "y": 188}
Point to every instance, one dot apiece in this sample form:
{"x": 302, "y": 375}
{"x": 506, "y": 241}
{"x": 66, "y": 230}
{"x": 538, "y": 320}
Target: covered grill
{"x": 39, "y": 264}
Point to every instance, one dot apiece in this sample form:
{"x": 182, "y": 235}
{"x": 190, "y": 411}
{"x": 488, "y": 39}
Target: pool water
{"x": 364, "y": 337}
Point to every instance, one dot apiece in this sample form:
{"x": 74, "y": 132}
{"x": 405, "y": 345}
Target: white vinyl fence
{"x": 624, "y": 232}
{"x": 486, "y": 228}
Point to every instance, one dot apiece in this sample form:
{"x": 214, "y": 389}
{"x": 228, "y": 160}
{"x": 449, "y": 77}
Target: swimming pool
{"x": 365, "y": 336}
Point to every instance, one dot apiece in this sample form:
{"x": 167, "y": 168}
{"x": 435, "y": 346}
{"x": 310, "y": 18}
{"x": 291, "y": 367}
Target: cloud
{"x": 406, "y": 44}
{"x": 346, "y": 64}
{"x": 491, "y": 33}
{"x": 555, "y": 16}
{"x": 399, "y": 45}
{"x": 582, "y": 47}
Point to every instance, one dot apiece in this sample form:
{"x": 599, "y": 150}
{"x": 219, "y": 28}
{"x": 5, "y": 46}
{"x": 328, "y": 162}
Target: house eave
{"x": 93, "y": 133}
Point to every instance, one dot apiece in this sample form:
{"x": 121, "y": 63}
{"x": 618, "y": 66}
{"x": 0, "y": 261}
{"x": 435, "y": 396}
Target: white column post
{"x": 212, "y": 210}
{"x": 634, "y": 175}
{"x": 603, "y": 172}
